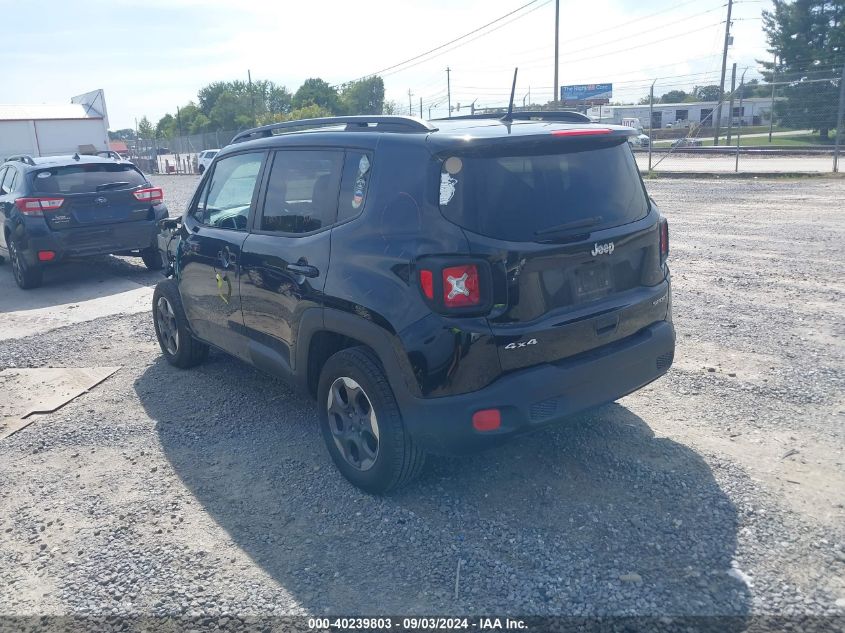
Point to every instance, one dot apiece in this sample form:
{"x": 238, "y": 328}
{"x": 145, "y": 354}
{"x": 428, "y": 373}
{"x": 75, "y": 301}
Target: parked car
{"x": 205, "y": 159}
{"x": 686, "y": 142}
{"x": 640, "y": 140}
{"x": 59, "y": 207}
{"x": 438, "y": 286}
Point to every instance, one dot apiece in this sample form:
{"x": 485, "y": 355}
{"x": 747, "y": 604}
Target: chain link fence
{"x": 176, "y": 155}
{"x": 785, "y": 126}
{"x": 779, "y": 128}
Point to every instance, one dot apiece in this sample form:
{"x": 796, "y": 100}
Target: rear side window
{"x": 86, "y": 178}
{"x": 515, "y": 197}
{"x": 302, "y": 191}
{"x": 353, "y": 188}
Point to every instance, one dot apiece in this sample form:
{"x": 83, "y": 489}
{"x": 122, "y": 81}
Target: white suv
{"x": 205, "y": 159}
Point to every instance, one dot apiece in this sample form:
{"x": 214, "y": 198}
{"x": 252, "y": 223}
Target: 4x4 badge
{"x": 602, "y": 249}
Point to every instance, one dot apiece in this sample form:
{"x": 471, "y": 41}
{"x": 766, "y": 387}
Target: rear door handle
{"x": 303, "y": 269}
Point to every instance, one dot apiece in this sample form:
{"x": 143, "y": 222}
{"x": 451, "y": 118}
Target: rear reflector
{"x": 427, "y": 283}
{"x": 486, "y": 420}
{"x": 46, "y": 256}
{"x": 460, "y": 286}
{"x": 36, "y": 206}
{"x": 582, "y": 132}
{"x": 153, "y": 195}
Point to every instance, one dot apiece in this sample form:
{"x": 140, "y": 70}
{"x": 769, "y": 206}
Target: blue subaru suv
{"x": 59, "y": 207}
{"x": 437, "y": 286}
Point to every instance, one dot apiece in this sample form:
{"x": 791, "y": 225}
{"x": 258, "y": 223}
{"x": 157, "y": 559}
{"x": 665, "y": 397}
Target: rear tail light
{"x": 456, "y": 287}
{"x": 664, "y": 239}
{"x": 46, "y": 256}
{"x": 427, "y": 283}
{"x": 153, "y": 195}
{"x": 37, "y": 206}
{"x": 460, "y": 286}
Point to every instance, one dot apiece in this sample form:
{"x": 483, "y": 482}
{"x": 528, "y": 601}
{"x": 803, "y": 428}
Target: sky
{"x": 151, "y": 56}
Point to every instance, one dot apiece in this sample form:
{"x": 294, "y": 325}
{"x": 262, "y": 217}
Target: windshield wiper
{"x": 112, "y": 185}
{"x": 575, "y": 224}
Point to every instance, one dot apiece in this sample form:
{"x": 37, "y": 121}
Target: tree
{"x": 318, "y": 92}
{"x": 124, "y": 134}
{"x": 365, "y": 96}
{"x": 145, "y": 128}
{"x": 673, "y": 96}
{"x": 707, "y": 93}
{"x": 808, "y": 37}
{"x": 166, "y": 126}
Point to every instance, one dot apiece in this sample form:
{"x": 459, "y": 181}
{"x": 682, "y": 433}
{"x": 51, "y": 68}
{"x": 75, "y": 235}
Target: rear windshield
{"x": 516, "y": 196}
{"x": 87, "y": 178}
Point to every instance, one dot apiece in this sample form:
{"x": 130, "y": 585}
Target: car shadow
{"x": 76, "y": 280}
{"x": 596, "y": 516}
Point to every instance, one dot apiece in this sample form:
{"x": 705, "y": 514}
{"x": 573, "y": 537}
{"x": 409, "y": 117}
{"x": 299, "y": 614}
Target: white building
{"x": 51, "y": 129}
{"x": 754, "y": 111}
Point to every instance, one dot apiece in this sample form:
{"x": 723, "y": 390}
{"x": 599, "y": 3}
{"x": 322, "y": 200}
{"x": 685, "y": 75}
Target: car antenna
{"x": 509, "y": 115}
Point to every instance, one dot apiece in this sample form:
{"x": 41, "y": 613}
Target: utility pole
{"x": 410, "y": 103}
{"x": 650, "y": 121}
{"x": 420, "y": 107}
{"x": 722, "y": 80}
{"x": 557, "y": 51}
{"x": 449, "y": 92}
{"x": 772, "y": 110}
{"x": 731, "y": 107}
{"x": 839, "y": 122}
{"x": 431, "y": 105}
{"x": 251, "y": 97}
{"x": 739, "y": 129}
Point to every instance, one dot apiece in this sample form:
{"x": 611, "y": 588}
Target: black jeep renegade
{"x": 438, "y": 287}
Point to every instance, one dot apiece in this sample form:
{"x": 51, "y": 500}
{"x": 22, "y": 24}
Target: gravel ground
{"x": 718, "y": 490}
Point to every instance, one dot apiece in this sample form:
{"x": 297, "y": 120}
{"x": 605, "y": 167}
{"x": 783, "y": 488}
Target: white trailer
{"x": 54, "y": 129}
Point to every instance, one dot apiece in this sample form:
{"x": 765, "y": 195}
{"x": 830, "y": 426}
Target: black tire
{"x": 178, "y": 346}
{"x": 26, "y": 276}
{"x": 152, "y": 258}
{"x": 396, "y": 460}
{"x": 201, "y": 170}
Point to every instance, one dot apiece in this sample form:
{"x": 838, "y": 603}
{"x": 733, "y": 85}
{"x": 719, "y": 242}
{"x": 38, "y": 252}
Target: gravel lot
{"x": 717, "y": 490}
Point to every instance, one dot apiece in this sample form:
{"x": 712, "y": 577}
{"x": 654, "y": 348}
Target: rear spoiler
{"x": 551, "y": 137}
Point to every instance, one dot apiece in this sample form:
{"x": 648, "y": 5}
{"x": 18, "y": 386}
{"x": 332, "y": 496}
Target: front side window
{"x": 3, "y": 172}
{"x": 302, "y": 191}
{"x": 228, "y": 194}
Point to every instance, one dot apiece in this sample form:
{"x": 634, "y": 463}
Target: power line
{"x": 457, "y": 39}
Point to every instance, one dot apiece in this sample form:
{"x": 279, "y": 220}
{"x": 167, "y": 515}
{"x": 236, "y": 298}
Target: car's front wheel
{"x": 362, "y": 425}
{"x": 178, "y": 346}
{"x": 26, "y": 276}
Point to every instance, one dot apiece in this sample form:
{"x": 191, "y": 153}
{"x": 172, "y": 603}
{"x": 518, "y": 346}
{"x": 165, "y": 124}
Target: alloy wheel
{"x": 168, "y": 329}
{"x": 16, "y": 264}
{"x": 353, "y": 423}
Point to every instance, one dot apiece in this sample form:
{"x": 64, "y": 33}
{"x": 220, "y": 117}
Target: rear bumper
{"x": 541, "y": 395}
{"x": 91, "y": 240}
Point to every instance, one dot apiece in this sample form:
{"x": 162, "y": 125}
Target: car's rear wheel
{"x": 26, "y": 276}
{"x": 152, "y": 258}
{"x": 178, "y": 346}
{"x": 202, "y": 169}
{"x": 362, "y": 425}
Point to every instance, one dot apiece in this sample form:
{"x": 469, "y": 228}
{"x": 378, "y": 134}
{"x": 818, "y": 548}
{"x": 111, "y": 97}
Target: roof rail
{"x": 22, "y": 158}
{"x": 562, "y": 116}
{"x": 376, "y": 123}
{"x": 109, "y": 153}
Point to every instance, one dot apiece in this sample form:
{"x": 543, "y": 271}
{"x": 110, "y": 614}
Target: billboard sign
{"x": 586, "y": 92}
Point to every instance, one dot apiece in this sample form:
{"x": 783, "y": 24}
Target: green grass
{"x": 798, "y": 140}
